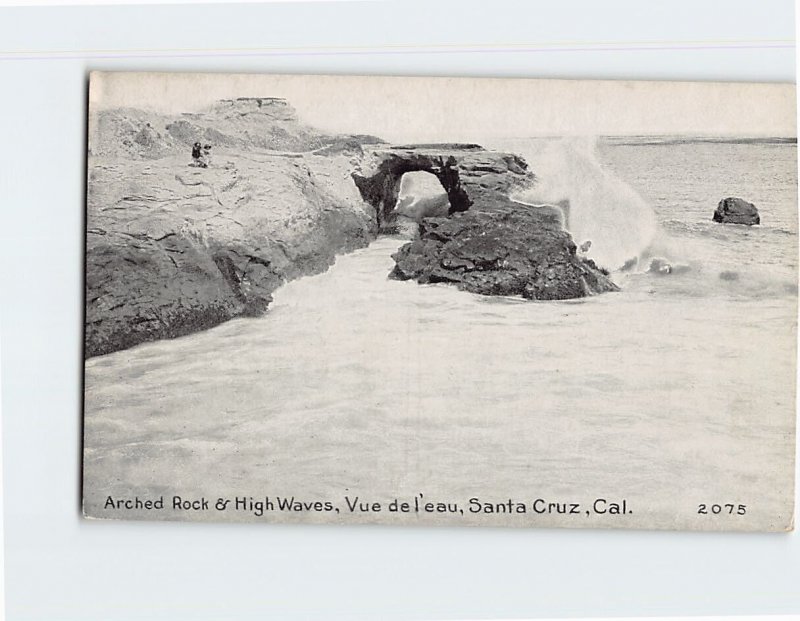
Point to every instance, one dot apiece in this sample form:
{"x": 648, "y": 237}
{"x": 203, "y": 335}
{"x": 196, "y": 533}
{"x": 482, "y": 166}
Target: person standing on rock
{"x": 197, "y": 154}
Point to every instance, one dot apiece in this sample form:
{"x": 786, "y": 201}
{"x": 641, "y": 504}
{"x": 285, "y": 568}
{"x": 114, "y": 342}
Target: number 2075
{"x": 726, "y": 509}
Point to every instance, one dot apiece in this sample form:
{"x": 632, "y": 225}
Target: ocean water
{"x": 676, "y": 392}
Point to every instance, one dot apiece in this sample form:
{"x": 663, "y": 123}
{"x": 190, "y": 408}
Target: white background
{"x": 59, "y": 566}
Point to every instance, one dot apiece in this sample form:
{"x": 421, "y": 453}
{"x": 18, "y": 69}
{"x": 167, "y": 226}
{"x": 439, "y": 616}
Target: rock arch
{"x": 382, "y": 188}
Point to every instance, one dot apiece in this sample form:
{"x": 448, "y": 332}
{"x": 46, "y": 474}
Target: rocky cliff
{"x": 172, "y": 249}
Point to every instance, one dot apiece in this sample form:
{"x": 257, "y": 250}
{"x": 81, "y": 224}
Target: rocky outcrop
{"x": 507, "y": 251}
{"x": 459, "y": 168}
{"x": 245, "y": 124}
{"x": 736, "y": 211}
{"x": 490, "y": 244}
{"x": 172, "y": 249}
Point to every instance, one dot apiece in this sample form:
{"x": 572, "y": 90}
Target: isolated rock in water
{"x": 662, "y": 267}
{"x": 736, "y": 211}
{"x": 489, "y": 244}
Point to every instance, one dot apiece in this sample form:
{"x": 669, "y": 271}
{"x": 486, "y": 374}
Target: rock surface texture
{"x": 490, "y": 244}
{"x": 172, "y": 249}
{"x": 736, "y": 211}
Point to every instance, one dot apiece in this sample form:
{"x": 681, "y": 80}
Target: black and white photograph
{"x": 440, "y": 301}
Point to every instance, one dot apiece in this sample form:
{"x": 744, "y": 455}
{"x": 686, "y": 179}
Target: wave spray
{"x": 598, "y": 206}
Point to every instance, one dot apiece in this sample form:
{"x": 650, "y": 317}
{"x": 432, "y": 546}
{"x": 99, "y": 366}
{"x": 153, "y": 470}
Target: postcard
{"x": 440, "y": 301}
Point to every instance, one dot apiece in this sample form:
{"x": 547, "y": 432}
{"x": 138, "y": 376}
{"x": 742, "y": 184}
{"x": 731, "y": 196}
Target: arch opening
{"x": 421, "y": 195}
{"x": 382, "y": 189}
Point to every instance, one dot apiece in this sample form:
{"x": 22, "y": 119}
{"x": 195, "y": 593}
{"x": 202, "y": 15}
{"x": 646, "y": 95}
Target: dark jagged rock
{"x": 733, "y": 210}
{"x": 489, "y": 244}
{"x": 509, "y": 251}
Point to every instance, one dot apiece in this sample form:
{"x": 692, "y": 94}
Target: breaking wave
{"x": 598, "y": 206}
{"x": 681, "y": 253}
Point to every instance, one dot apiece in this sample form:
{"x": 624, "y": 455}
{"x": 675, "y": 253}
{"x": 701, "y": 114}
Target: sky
{"x": 450, "y": 109}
